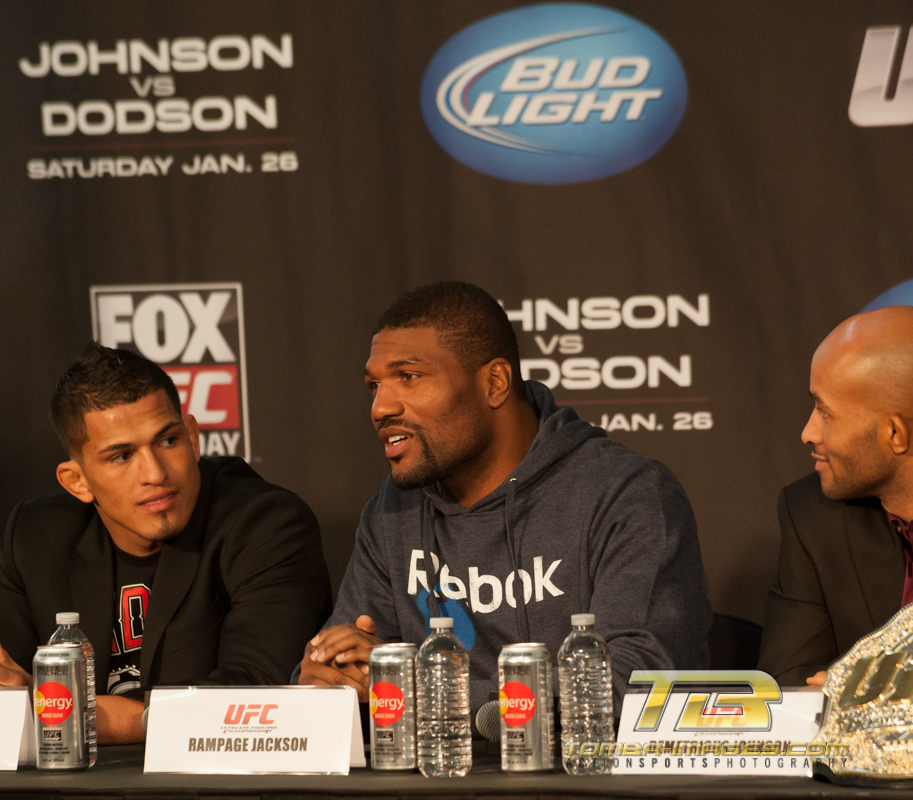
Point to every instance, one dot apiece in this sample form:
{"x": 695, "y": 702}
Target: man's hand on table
{"x": 817, "y": 679}
{"x": 120, "y": 719}
{"x": 11, "y": 674}
{"x": 338, "y": 656}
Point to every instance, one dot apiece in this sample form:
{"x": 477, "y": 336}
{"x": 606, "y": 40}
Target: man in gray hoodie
{"x": 505, "y": 512}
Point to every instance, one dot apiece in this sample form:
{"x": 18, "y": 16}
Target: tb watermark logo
{"x": 718, "y": 722}
{"x": 744, "y": 710}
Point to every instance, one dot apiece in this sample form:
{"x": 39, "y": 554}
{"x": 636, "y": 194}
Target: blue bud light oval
{"x": 900, "y": 295}
{"x": 555, "y": 93}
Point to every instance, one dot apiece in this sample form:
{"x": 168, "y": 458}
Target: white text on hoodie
{"x": 455, "y": 589}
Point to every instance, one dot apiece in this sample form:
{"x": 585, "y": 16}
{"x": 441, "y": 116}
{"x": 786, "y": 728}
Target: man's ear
{"x": 499, "y": 380}
{"x": 900, "y": 435}
{"x": 193, "y": 431}
{"x": 71, "y": 476}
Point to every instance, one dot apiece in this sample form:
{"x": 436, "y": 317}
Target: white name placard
{"x": 720, "y": 731}
{"x": 253, "y": 729}
{"x": 17, "y": 736}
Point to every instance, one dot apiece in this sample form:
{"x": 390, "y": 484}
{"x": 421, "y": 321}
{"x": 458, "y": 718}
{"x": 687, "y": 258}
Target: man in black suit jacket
{"x": 201, "y": 570}
{"x": 840, "y": 576}
{"x": 845, "y": 562}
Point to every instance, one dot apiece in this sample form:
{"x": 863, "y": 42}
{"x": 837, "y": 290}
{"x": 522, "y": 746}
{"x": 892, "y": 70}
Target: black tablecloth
{"x": 119, "y": 773}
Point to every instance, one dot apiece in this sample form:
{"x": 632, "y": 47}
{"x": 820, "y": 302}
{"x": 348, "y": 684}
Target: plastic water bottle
{"x": 585, "y": 683}
{"x": 442, "y": 685}
{"x": 68, "y": 631}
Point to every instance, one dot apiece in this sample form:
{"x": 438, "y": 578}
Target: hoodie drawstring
{"x": 519, "y": 601}
{"x": 426, "y": 534}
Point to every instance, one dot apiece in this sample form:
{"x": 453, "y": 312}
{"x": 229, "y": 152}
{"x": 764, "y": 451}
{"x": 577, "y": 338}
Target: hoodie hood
{"x": 561, "y": 432}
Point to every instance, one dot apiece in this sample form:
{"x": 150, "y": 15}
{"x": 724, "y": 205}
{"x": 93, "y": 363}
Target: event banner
{"x": 674, "y": 202}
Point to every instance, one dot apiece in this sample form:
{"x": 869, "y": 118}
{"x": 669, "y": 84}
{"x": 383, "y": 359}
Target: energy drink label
{"x": 392, "y": 677}
{"x": 59, "y": 672}
{"x": 527, "y": 708}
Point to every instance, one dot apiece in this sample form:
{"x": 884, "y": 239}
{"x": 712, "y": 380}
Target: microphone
{"x": 488, "y": 721}
{"x": 145, "y": 721}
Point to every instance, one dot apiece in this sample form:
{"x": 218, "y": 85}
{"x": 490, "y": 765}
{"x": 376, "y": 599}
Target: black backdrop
{"x": 767, "y": 200}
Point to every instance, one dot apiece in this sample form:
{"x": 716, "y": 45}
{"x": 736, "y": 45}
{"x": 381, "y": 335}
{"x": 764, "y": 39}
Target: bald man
{"x": 845, "y": 561}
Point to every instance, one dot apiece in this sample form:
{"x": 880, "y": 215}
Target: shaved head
{"x": 860, "y": 429}
{"x": 872, "y": 353}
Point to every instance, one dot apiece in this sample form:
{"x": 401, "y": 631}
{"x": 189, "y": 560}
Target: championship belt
{"x": 870, "y": 709}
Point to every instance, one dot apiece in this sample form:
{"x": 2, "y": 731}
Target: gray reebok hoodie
{"x": 582, "y": 525}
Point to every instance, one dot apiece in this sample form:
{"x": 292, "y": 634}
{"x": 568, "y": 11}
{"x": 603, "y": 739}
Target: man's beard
{"x": 861, "y": 475}
{"x": 849, "y": 487}
{"x": 424, "y": 473}
{"x": 167, "y": 530}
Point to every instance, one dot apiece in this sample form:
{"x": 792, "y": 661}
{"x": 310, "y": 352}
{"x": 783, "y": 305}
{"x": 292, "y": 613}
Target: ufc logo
{"x": 242, "y": 714}
{"x": 870, "y": 105}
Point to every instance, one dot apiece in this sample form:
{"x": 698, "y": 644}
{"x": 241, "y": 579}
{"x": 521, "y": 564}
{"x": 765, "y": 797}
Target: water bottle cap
{"x": 68, "y": 618}
{"x": 441, "y": 622}
{"x": 583, "y": 619}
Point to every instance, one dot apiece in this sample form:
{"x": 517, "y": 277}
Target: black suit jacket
{"x": 235, "y": 598}
{"x": 840, "y": 576}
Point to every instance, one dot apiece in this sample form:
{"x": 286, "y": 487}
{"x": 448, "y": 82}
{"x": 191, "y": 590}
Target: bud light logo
{"x": 554, "y": 94}
{"x": 900, "y": 295}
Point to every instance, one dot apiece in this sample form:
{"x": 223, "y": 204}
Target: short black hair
{"x": 102, "y": 378}
{"x": 468, "y": 321}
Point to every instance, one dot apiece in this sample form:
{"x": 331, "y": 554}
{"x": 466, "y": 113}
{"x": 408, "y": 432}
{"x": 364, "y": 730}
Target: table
{"x": 119, "y": 774}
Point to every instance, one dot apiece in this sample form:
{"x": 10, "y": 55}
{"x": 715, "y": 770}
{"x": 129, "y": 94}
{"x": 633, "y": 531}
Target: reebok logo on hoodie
{"x": 455, "y": 589}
